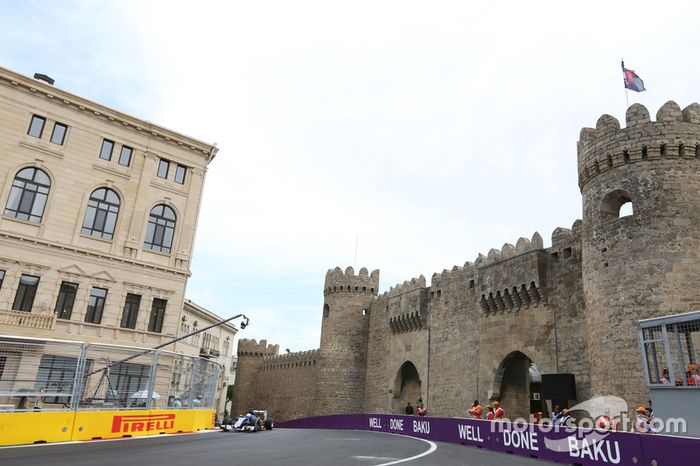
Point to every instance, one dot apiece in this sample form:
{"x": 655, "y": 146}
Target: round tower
{"x": 343, "y": 351}
{"x": 250, "y": 357}
{"x": 640, "y": 262}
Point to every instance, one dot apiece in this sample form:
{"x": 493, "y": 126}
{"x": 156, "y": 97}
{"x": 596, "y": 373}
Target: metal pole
{"x": 243, "y": 325}
{"x": 152, "y": 380}
{"x": 78, "y": 380}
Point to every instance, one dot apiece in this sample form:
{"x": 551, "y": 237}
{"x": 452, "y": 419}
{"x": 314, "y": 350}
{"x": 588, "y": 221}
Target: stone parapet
{"x": 674, "y": 134}
{"x": 253, "y": 348}
{"x": 338, "y": 281}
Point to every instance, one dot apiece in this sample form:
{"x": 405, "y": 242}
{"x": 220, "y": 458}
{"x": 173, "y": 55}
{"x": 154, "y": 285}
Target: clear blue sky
{"x": 431, "y": 131}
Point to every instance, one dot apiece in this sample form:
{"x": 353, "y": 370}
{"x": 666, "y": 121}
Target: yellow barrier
{"x": 35, "y": 427}
{"x": 203, "y": 419}
{"x": 115, "y": 424}
{"x": 20, "y": 428}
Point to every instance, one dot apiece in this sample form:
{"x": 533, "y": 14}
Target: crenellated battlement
{"x": 674, "y": 134}
{"x": 564, "y": 237}
{"x": 290, "y": 360}
{"x": 251, "y": 348}
{"x": 338, "y": 281}
{"x": 522, "y": 246}
{"x": 405, "y": 287}
{"x": 468, "y": 269}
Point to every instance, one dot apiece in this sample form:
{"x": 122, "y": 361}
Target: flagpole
{"x": 624, "y": 81}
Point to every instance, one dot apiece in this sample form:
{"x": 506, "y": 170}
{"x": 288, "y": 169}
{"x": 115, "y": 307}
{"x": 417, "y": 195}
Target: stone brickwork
{"x": 490, "y": 329}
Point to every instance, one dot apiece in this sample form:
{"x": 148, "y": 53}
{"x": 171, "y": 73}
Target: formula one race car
{"x": 256, "y": 420}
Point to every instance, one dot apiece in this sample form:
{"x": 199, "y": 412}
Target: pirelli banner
{"x": 44, "y": 427}
{"x": 567, "y": 445}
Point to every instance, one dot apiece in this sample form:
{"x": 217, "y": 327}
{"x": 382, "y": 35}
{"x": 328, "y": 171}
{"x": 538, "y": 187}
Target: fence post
{"x": 193, "y": 381}
{"x": 152, "y": 379}
{"x": 78, "y": 379}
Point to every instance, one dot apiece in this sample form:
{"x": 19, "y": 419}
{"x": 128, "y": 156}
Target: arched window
{"x": 326, "y": 311}
{"x": 616, "y": 204}
{"x": 161, "y": 229}
{"x": 101, "y": 214}
{"x": 28, "y": 195}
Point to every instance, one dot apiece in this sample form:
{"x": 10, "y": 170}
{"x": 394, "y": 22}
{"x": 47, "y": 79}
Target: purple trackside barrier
{"x": 667, "y": 450}
{"x": 586, "y": 447}
{"x": 569, "y": 445}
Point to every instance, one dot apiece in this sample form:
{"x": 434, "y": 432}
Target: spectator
{"x": 690, "y": 378}
{"x": 489, "y": 413}
{"x": 565, "y": 420}
{"x": 197, "y": 402}
{"x": 665, "y": 377}
{"x": 604, "y": 422}
{"x": 476, "y": 410}
{"x": 556, "y": 414}
{"x": 695, "y": 373}
{"x": 420, "y": 408}
{"x": 498, "y": 412}
{"x": 409, "y": 409}
{"x": 642, "y": 423}
{"x": 177, "y": 404}
{"x": 469, "y": 411}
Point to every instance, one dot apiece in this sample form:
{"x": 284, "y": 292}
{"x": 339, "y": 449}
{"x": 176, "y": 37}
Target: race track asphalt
{"x": 287, "y": 447}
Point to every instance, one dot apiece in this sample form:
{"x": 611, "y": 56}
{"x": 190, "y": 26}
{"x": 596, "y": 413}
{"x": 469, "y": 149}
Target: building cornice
{"x": 206, "y": 314}
{"x": 110, "y": 116}
{"x": 90, "y": 253}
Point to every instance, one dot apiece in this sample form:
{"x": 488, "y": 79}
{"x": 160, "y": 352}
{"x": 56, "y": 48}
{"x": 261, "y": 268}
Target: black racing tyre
{"x": 268, "y": 424}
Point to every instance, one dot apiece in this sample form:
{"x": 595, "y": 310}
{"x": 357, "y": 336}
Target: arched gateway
{"x": 407, "y": 387}
{"x": 517, "y": 382}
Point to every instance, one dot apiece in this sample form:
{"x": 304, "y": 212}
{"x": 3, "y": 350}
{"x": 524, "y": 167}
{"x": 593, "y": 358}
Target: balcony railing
{"x": 27, "y": 319}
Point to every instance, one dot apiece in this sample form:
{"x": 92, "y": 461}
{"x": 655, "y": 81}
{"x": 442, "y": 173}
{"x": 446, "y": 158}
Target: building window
{"x": 131, "y": 310}
{"x": 180, "y": 173}
{"x": 125, "y": 156}
{"x": 155, "y": 324}
{"x": 96, "y": 305}
{"x": 163, "y": 167}
{"x": 36, "y": 127}
{"x": 24, "y": 299}
{"x": 56, "y": 375}
{"x": 2, "y": 277}
{"x": 66, "y": 299}
{"x": 30, "y": 190}
{"x": 125, "y": 379}
{"x": 106, "y": 149}
{"x": 101, "y": 214}
{"x": 58, "y": 135}
{"x": 160, "y": 229}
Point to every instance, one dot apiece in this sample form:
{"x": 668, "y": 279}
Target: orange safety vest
{"x": 477, "y": 411}
{"x": 499, "y": 413}
{"x": 489, "y": 416}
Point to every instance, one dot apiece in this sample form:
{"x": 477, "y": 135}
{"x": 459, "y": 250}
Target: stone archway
{"x": 516, "y": 379}
{"x": 407, "y": 387}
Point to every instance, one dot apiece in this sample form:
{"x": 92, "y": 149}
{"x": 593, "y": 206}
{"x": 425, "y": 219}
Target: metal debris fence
{"x": 670, "y": 349}
{"x": 56, "y": 375}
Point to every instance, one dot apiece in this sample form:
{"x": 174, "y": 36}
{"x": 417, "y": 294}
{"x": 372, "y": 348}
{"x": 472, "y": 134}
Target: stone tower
{"x": 645, "y": 264}
{"x": 343, "y": 351}
{"x": 250, "y": 356}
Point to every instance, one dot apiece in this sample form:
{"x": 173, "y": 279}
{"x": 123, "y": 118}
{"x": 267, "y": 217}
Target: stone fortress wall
{"x": 488, "y": 329}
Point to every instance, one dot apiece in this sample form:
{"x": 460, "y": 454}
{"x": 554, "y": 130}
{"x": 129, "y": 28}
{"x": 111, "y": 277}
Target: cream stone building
{"x": 97, "y": 222}
{"x": 215, "y": 344}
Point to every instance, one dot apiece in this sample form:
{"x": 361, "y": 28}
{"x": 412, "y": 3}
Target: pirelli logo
{"x": 143, "y": 422}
